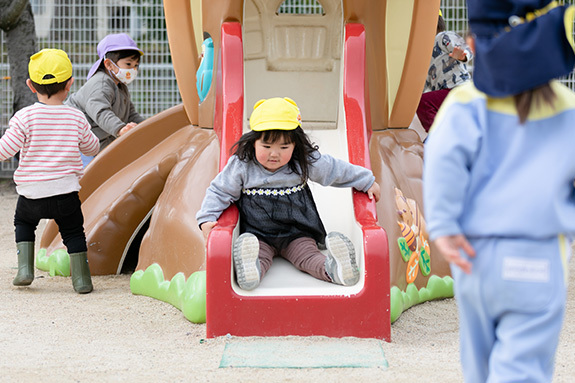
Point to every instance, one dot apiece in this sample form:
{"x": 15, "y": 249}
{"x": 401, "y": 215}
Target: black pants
{"x": 66, "y": 211}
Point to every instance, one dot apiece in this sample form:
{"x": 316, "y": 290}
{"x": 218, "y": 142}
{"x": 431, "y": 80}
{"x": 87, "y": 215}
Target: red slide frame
{"x": 365, "y": 314}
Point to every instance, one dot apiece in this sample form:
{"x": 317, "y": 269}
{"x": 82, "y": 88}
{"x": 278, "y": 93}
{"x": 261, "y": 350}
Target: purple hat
{"x": 111, "y": 43}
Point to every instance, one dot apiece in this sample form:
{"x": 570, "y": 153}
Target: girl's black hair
{"x": 303, "y": 152}
{"x": 118, "y": 55}
{"x": 441, "y": 26}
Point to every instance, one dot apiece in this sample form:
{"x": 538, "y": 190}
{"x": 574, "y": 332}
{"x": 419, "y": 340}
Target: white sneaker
{"x": 246, "y": 261}
{"x": 340, "y": 264}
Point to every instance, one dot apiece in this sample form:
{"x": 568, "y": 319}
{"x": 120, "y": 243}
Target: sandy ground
{"x": 48, "y": 333}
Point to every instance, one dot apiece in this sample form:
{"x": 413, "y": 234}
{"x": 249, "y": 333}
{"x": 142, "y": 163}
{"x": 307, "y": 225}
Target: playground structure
{"x": 357, "y": 73}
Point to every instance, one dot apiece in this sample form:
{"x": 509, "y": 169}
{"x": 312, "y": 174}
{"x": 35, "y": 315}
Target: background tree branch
{"x": 11, "y": 11}
{"x": 17, "y": 22}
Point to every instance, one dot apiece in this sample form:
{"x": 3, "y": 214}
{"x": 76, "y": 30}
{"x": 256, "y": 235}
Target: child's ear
{"x": 29, "y": 83}
{"x": 69, "y": 84}
{"x": 108, "y": 65}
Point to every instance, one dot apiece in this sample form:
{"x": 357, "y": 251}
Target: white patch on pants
{"x": 525, "y": 269}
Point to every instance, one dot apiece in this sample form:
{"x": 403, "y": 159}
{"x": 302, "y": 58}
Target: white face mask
{"x": 125, "y": 76}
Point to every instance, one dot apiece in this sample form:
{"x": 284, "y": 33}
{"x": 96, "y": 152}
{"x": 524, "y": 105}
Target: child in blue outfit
{"x": 499, "y": 194}
{"x": 268, "y": 178}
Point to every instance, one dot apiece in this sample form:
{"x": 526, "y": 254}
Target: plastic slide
{"x": 356, "y": 72}
{"x": 289, "y": 302}
{"x": 122, "y": 185}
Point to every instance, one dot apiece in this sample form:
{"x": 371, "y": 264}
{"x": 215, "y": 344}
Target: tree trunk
{"x": 17, "y": 22}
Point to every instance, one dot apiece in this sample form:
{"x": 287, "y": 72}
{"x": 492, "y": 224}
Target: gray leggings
{"x": 301, "y": 252}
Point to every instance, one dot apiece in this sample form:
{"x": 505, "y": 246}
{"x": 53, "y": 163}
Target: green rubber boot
{"x": 80, "y": 270}
{"x": 25, "y": 274}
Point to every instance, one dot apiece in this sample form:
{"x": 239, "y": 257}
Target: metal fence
{"x": 301, "y": 7}
{"x": 77, "y": 25}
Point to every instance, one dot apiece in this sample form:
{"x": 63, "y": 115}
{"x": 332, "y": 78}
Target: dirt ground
{"x": 48, "y": 333}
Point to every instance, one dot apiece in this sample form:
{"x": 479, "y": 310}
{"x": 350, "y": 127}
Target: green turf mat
{"x": 303, "y": 353}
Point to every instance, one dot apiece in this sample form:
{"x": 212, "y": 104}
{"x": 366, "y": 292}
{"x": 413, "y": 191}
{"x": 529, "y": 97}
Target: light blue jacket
{"x": 486, "y": 175}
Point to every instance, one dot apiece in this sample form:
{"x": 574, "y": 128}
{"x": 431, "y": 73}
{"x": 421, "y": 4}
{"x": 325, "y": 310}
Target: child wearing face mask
{"x": 104, "y": 98}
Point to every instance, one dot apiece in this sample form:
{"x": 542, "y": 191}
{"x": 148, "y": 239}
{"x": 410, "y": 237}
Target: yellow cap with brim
{"x": 49, "y": 66}
{"x": 275, "y": 114}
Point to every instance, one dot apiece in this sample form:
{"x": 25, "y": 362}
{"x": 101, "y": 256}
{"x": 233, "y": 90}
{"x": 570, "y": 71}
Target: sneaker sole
{"x": 341, "y": 249}
{"x": 246, "y": 252}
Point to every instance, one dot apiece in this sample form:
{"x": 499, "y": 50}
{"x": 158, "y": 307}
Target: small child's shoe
{"x": 340, "y": 264}
{"x": 246, "y": 261}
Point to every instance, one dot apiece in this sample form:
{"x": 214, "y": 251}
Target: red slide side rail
{"x": 376, "y": 247}
{"x": 228, "y": 125}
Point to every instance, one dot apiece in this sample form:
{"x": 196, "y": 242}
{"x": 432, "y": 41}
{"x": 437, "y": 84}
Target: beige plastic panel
{"x": 295, "y": 56}
{"x": 398, "y": 26}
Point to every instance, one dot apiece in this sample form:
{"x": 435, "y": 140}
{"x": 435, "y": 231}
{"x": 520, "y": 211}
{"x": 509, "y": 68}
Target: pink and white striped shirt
{"x": 50, "y": 139}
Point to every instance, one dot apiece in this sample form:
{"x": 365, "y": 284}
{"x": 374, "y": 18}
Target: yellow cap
{"x": 440, "y": 13}
{"x": 49, "y": 66}
{"x": 275, "y": 113}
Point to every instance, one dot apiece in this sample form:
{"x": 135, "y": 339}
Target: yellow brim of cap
{"x": 275, "y": 125}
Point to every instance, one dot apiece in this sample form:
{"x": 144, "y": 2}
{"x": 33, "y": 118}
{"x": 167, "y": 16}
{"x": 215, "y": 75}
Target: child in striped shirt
{"x": 50, "y": 137}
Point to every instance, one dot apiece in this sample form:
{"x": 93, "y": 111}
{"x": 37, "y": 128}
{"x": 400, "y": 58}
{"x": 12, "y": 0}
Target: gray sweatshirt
{"x": 107, "y": 106}
{"x": 227, "y": 187}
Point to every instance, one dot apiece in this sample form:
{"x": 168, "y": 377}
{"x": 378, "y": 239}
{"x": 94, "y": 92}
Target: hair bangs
{"x": 281, "y": 136}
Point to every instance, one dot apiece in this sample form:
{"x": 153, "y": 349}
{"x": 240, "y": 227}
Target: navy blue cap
{"x": 520, "y": 44}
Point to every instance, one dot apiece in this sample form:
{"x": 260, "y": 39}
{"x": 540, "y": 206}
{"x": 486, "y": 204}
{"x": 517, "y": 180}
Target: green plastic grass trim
{"x": 190, "y": 296}
{"x": 437, "y": 288}
{"x": 187, "y": 296}
{"x": 58, "y": 263}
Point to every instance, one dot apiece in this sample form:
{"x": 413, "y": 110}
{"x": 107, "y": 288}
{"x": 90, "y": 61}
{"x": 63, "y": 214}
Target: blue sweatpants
{"x": 511, "y": 309}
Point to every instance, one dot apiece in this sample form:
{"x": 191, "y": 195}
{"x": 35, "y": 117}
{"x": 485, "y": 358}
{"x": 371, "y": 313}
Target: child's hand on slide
{"x": 129, "y": 126}
{"x": 206, "y": 228}
{"x": 374, "y": 192}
